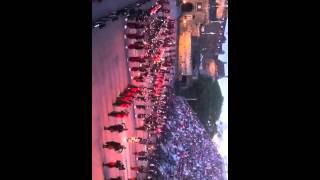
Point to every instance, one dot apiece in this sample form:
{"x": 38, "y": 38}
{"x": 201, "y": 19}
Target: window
{"x": 199, "y": 6}
{"x": 202, "y": 28}
{"x": 187, "y": 7}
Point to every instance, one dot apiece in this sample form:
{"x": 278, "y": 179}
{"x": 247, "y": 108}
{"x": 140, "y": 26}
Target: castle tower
{"x": 194, "y": 14}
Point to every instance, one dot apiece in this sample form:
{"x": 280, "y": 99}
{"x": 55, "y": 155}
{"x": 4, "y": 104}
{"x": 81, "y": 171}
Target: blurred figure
{"x": 136, "y": 59}
{"x": 125, "y": 98}
{"x": 134, "y": 69}
{"x": 141, "y": 128}
{"x": 121, "y": 103}
{"x": 140, "y": 153}
{"x": 135, "y": 36}
{"x": 114, "y": 145}
{"x": 120, "y": 114}
{"x": 141, "y": 115}
{"x": 141, "y": 69}
{"x": 138, "y": 78}
{"x": 142, "y": 158}
{"x": 140, "y": 106}
{"x": 119, "y": 128}
{"x": 118, "y": 164}
{"x": 135, "y": 25}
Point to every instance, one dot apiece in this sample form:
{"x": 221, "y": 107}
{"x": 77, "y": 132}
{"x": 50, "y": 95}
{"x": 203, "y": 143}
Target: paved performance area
{"x": 111, "y": 76}
{"x": 140, "y": 129}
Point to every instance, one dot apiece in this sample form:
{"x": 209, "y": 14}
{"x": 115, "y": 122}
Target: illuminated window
{"x": 202, "y": 28}
{"x": 199, "y": 6}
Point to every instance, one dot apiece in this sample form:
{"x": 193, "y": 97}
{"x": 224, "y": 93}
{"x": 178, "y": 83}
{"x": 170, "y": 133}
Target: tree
{"x": 209, "y": 103}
